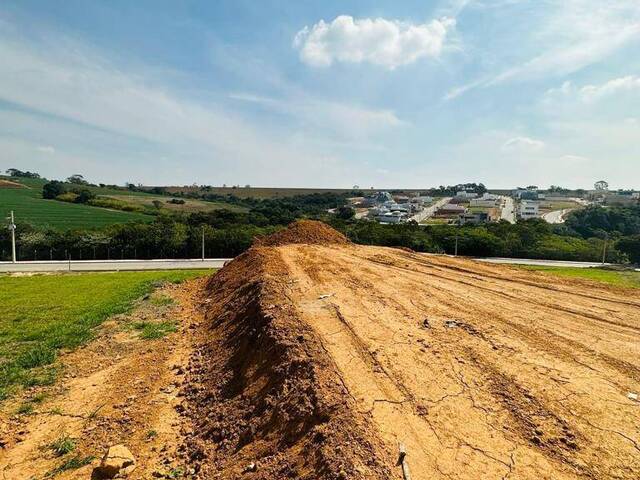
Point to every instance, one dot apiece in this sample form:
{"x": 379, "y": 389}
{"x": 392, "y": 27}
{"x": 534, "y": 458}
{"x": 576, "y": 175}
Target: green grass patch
{"x": 628, "y": 279}
{"x": 30, "y": 207}
{"x": 71, "y": 464}
{"x": 160, "y": 300}
{"x": 25, "y": 409}
{"x": 62, "y": 445}
{"x": 42, "y": 314}
{"x": 154, "y": 330}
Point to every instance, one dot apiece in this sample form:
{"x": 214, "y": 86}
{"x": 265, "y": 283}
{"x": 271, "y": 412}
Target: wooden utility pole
{"x": 203, "y": 243}
{"x": 12, "y": 227}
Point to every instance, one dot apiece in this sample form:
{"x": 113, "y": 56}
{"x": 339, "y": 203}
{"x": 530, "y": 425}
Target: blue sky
{"x": 323, "y": 93}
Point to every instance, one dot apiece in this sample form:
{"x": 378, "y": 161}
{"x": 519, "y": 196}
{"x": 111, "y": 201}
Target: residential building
{"x": 451, "y": 209}
{"x": 528, "y": 209}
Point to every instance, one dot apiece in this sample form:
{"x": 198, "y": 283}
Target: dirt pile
{"x": 320, "y": 358}
{"x": 271, "y": 403}
{"x": 304, "y": 231}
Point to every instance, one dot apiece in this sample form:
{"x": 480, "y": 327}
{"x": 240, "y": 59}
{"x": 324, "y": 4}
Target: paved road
{"x": 542, "y": 263}
{"x": 117, "y": 265}
{"x": 508, "y": 212}
{"x": 557, "y": 216}
{"x": 430, "y": 211}
{"x": 111, "y": 265}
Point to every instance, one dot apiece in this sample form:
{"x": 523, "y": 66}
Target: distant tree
{"x": 84, "y": 196}
{"x": 631, "y": 247}
{"x": 601, "y": 185}
{"x": 346, "y": 213}
{"x": 53, "y": 189}
{"x": 14, "y": 172}
{"x": 77, "y": 179}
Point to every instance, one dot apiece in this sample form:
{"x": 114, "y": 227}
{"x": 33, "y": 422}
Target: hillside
{"x": 29, "y": 206}
{"x": 24, "y": 197}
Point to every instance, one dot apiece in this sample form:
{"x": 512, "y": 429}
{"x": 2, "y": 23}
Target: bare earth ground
{"x": 482, "y": 371}
{"x": 117, "y": 389}
{"x": 315, "y": 361}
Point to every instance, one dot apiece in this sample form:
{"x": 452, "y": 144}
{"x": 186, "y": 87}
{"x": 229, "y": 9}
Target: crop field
{"x": 29, "y": 206}
{"x": 44, "y": 313}
{"x": 189, "y": 205}
{"x": 613, "y": 277}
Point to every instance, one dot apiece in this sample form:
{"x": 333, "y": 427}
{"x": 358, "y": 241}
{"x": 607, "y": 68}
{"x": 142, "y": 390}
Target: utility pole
{"x": 455, "y": 253}
{"x": 12, "y": 227}
{"x": 604, "y": 250}
{"x": 203, "y": 243}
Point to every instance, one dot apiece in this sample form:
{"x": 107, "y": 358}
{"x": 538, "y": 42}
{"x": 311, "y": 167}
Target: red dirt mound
{"x": 266, "y": 399}
{"x": 304, "y": 231}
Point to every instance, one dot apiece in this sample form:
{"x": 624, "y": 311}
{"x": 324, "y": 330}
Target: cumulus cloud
{"x": 382, "y": 42}
{"x": 522, "y": 144}
{"x": 595, "y": 92}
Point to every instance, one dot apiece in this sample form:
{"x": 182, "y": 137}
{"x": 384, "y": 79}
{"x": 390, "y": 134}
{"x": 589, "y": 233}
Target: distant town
{"x": 477, "y": 205}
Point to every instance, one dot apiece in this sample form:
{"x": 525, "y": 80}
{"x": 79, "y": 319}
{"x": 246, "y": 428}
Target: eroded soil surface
{"x": 321, "y": 359}
{"x": 118, "y": 389}
{"x": 482, "y": 371}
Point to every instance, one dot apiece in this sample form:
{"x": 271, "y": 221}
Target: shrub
{"x": 115, "y": 204}
{"x": 53, "y": 189}
{"x": 67, "y": 197}
{"x": 631, "y": 247}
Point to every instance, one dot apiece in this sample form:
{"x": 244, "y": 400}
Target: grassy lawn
{"x": 29, "y": 206}
{"x": 622, "y": 279}
{"x": 44, "y": 313}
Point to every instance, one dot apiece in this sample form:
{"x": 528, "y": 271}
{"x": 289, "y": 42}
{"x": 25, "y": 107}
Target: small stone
{"x": 252, "y": 467}
{"x": 117, "y": 461}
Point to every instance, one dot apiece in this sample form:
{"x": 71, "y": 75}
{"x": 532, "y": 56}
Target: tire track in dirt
{"x": 492, "y": 368}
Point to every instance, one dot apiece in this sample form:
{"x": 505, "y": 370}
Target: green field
{"x": 29, "y": 206}
{"x": 44, "y": 313}
{"x": 620, "y": 278}
{"x": 189, "y": 205}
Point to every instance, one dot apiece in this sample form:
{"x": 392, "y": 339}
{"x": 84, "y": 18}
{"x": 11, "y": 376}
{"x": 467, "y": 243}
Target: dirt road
{"x": 482, "y": 371}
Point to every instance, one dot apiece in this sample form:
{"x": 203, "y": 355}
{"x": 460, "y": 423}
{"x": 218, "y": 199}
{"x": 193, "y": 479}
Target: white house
{"x": 465, "y": 195}
{"x": 528, "y": 209}
{"x": 486, "y": 200}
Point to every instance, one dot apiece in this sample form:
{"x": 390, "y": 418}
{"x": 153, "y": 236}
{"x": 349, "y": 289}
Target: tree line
{"x": 585, "y": 236}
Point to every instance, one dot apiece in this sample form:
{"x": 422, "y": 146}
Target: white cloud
{"x": 522, "y": 144}
{"x": 46, "y": 149}
{"x": 576, "y": 34}
{"x": 140, "y": 119}
{"x": 387, "y": 43}
{"x": 594, "y": 92}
